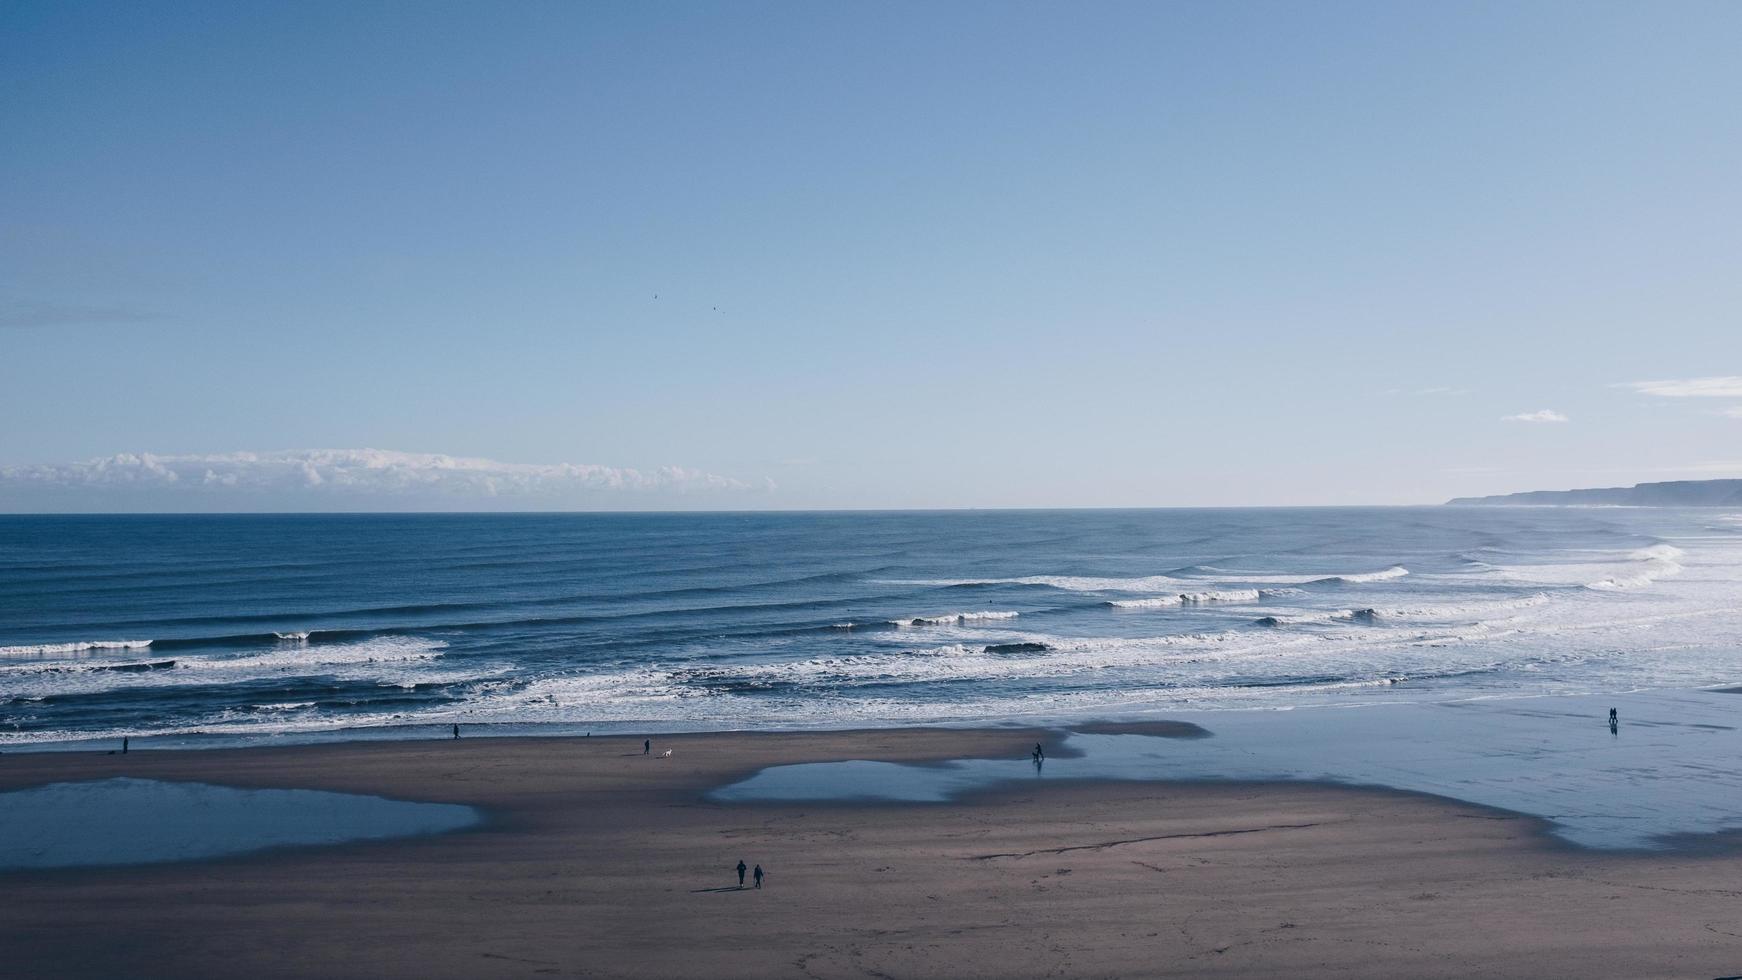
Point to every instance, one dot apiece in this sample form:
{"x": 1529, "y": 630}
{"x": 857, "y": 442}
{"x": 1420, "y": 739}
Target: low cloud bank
{"x": 323, "y": 479}
{"x": 1719, "y": 387}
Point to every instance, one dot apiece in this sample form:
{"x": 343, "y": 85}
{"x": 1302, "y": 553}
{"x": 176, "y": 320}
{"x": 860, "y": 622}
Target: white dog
{"x": 666, "y": 754}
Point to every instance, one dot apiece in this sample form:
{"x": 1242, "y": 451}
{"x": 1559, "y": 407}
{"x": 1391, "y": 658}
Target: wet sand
{"x": 596, "y": 860}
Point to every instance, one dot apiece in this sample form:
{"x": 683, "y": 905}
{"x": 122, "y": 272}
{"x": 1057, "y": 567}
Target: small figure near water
{"x": 741, "y": 869}
{"x": 1614, "y": 719}
{"x": 1039, "y": 754}
{"x": 646, "y": 746}
{"x": 456, "y": 730}
{"x": 758, "y": 875}
{"x": 123, "y": 745}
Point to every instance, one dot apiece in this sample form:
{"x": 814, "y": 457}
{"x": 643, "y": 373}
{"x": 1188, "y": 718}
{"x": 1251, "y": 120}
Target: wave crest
{"x": 69, "y": 649}
{"x": 951, "y": 619}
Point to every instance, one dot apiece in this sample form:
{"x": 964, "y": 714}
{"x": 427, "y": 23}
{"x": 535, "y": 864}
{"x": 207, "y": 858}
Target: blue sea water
{"x": 250, "y": 627}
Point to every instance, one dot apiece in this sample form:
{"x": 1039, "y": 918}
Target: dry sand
{"x": 599, "y": 861}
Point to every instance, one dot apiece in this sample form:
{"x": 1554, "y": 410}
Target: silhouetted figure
{"x": 456, "y": 731}
{"x": 123, "y": 745}
{"x": 759, "y": 876}
{"x": 1039, "y": 753}
{"x": 741, "y": 870}
{"x": 646, "y": 746}
{"x": 1614, "y": 719}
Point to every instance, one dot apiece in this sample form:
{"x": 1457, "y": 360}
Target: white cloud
{"x": 1546, "y": 415}
{"x": 1724, "y": 387}
{"x": 374, "y": 476}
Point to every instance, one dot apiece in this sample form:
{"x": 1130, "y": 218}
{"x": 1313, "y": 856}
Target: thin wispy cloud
{"x": 373, "y": 476}
{"x": 21, "y": 314}
{"x": 1729, "y": 386}
{"x": 1546, "y": 415}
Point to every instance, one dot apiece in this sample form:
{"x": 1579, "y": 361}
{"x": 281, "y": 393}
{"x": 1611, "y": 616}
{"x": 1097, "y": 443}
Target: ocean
{"x": 209, "y": 629}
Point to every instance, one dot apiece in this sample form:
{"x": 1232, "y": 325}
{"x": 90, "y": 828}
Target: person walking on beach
{"x": 1039, "y": 753}
{"x": 123, "y": 745}
{"x": 741, "y": 870}
{"x": 646, "y": 746}
{"x": 1614, "y": 719}
{"x": 456, "y": 731}
{"x": 758, "y": 876}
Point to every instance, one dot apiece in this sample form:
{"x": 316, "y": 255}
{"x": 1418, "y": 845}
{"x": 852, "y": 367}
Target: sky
{"x": 373, "y": 255}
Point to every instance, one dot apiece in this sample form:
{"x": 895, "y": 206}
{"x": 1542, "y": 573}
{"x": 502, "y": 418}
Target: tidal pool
{"x": 1670, "y": 771}
{"x": 148, "y": 821}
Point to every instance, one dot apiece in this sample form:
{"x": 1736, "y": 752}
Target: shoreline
{"x": 596, "y": 859}
{"x": 1665, "y": 778}
{"x": 438, "y": 730}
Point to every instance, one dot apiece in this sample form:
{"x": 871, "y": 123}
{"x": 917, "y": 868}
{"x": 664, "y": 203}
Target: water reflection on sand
{"x": 1672, "y": 767}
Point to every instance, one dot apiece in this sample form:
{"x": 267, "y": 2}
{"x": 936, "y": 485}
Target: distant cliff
{"x": 1675, "y": 493}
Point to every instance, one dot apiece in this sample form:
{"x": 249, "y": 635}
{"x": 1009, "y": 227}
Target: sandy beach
{"x": 598, "y": 860}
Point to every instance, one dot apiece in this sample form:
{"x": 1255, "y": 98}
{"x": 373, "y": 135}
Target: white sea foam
{"x": 300, "y": 636}
{"x": 1321, "y": 578}
{"x": 1395, "y": 571}
{"x": 1226, "y": 595}
{"x": 1300, "y": 618}
{"x": 948, "y": 619}
{"x": 1196, "y": 598}
{"x": 67, "y": 649}
{"x": 391, "y": 660}
{"x": 1658, "y": 552}
{"x": 1655, "y": 562}
{"x": 1066, "y": 583}
{"x": 1153, "y": 602}
{"x": 1463, "y": 610}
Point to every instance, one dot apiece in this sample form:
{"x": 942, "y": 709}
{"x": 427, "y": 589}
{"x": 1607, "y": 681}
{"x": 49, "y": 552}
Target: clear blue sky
{"x": 904, "y": 255}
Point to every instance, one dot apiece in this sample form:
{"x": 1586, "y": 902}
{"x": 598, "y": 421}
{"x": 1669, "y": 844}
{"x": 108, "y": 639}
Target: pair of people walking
{"x": 742, "y": 869}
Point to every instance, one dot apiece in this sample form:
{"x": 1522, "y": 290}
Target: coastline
{"x": 595, "y": 859}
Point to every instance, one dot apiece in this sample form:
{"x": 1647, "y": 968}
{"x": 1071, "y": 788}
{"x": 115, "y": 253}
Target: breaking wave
{"x": 1395, "y": 571}
{"x": 1202, "y": 598}
{"x": 1237, "y": 576}
{"x": 948, "y": 619}
{"x": 394, "y": 660}
{"x": 1064, "y": 583}
{"x": 69, "y": 649}
{"x": 1657, "y": 561}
